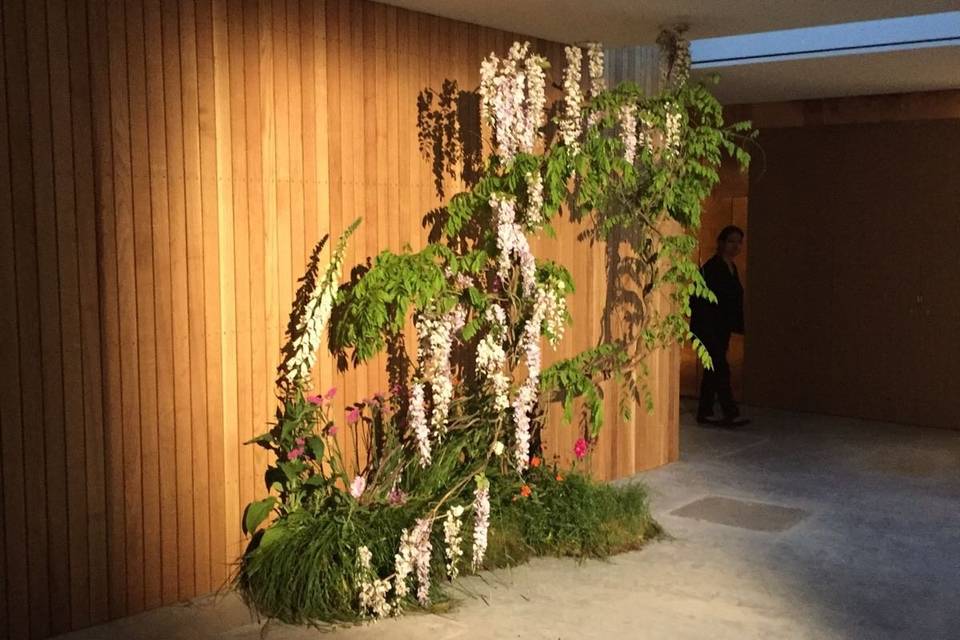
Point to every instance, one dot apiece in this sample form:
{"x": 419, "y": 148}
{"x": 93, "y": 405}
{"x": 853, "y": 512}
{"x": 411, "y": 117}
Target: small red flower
{"x": 580, "y": 448}
{"x": 526, "y": 491}
{"x": 535, "y": 461}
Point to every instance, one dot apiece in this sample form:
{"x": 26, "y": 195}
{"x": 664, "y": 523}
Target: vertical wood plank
{"x": 163, "y": 301}
{"x": 71, "y": 380}
{"x": 15, "y": 549}
{"x": 179, "y": 307}
{"x": 212, "y": 163}
{"x": 200, "y": 360}
{"x": 148, "y": 502}
{"x": 51, "y": 459}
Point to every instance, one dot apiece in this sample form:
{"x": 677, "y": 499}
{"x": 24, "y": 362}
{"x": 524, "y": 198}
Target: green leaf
{"x": 256, "y": 513}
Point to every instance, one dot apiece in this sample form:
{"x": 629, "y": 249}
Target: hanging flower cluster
{"x": 437, "y": 334}
{"x": 554, "y": 311}
{"x": 628, "y": 131}
{"x": 492, "y": 358}
{"x": 417, "y": 413}
{"x": 674, "y": 57}
{"x": 373, "y": 591}
{"x": 452, "y": 526}
{"x": 571, "y": 125}
{"x": 512, "y": 99}
{"x": 423, "y": 547}
{"x": 512, "y": 243}
{"x": 534, "y": 198}
{"x": 318, "y": 298}
{"x": 528, "y": 393}
{"x": 481, "y": 520}
{"x": 672, "y": 128}
{"x": 595, "y": 66}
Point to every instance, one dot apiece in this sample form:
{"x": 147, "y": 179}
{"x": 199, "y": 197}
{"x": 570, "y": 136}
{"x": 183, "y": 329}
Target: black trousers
{"x": 716, "y": 383}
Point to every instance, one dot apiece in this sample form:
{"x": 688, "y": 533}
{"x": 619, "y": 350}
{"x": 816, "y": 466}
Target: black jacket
{"x": 726, "y": 316}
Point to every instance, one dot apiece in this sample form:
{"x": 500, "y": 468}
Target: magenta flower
{"x": 332, "y": 391}
{"x": 397, "y": 496}
{"x": 580, "y": 448}
{"x": 332, "y": 430}
{"x": 357, "y": 486}
{"x": 317, "y": 400}
{"x": 353, "y": 415}
{"x": 300, "y": 442}
{"x": 295, "y": 453}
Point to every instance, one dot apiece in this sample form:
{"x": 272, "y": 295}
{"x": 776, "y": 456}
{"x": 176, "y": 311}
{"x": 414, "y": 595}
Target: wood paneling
{"x": 852, "y": 308}
{"x": 165, "y": 169}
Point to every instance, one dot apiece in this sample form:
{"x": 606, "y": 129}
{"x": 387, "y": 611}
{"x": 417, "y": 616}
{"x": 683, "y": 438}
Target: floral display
{"x": 441, "y": 471}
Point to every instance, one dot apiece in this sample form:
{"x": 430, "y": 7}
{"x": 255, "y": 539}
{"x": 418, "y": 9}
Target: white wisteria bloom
{"x": 481, "y": 521}
{"x": 628, "y": 131}
{"x": 498, "y": 448}
{"x": 528, "y": 393}
{"x": 492, "y": 358}
{"x": 417, "y": 414}
{"x": 513, "y": 244}
{"x": 554, "y": 311}
{"x": 453, "y": 540}
{"x": 512, "y": 99}
{"x": 595, "y": 66}
{"x": 437, "y": 335}
{"x": 571, "y": 125}
{"x": 373, "y": 591}
{"x": 672, "y": 128}
{"x": 423, "y": 549}
{"x": 307, "y": 327}
{"x": 534, "y": 198}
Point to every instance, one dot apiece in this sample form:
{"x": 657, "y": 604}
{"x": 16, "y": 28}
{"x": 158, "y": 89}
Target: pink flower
{"x": 332, "y": 391}
{"x": 357, "y": 486}
{"x": 353, "y": 415}
{"x": 580, "y": 448}
{"x": 332, "y": 430}
{"x": 397, "y": 496}
{"x": 300, "y": 442}
{"x": 317, "y": 400}
{"x": 295, "y": 453}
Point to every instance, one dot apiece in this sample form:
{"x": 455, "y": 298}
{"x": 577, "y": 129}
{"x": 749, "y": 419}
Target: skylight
{"x": 931, "y": 30}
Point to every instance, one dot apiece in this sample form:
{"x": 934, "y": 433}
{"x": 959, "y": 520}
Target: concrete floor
{"x": 873, "y": 552}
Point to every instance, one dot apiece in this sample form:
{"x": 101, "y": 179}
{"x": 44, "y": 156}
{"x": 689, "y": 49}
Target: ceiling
{"x": 849, "y": 75}
{"x": 628, "y": 22}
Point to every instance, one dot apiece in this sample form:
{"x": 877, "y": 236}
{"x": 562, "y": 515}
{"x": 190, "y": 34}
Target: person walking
{"x": 714, "y": 323}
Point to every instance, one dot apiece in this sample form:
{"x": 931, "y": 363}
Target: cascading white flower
{"x": 571, "y": 124}
{"x": 492, "y": 358}
{"x": 628, "y": 131}
{"x": 453, "y": 540}
{"x": 437, "y": 335}
{"x": 595, "y": 66}
{"x": 554, "y": 311}
{"x": 373, "y": 591}
{"x": 417, "y": 414}
{"x": 481, "y": 520}
{"x": 534, "y": 198}
{"x": 512, "y": 99}
{"x": 528, "y": 393}
{"x": 672, "y": 128}
{"x": 423, "y": 549}
{"x": 308, "y": 321}
{"x": 513, "y": 244}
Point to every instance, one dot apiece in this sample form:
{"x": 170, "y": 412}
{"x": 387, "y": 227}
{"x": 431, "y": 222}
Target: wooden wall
{"x": 166, "y": 168}
{"x": 854, "y": 207}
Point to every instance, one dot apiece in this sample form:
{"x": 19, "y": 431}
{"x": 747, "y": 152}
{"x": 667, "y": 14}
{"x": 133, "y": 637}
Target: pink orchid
{"x": 353, "y": 415}
{"x": 295, "y": 453}
{"x": 358, "y": 486}
{"x": 317, "y": 400}
{"x": 332, "y": 391}
{"x": 580, "y": 448}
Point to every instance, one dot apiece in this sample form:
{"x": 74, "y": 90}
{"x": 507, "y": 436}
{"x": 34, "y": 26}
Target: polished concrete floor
{"x": 796, "y": 526}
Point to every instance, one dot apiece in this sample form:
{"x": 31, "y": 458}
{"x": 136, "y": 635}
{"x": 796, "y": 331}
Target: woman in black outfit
{"x": 713, "y": 324}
